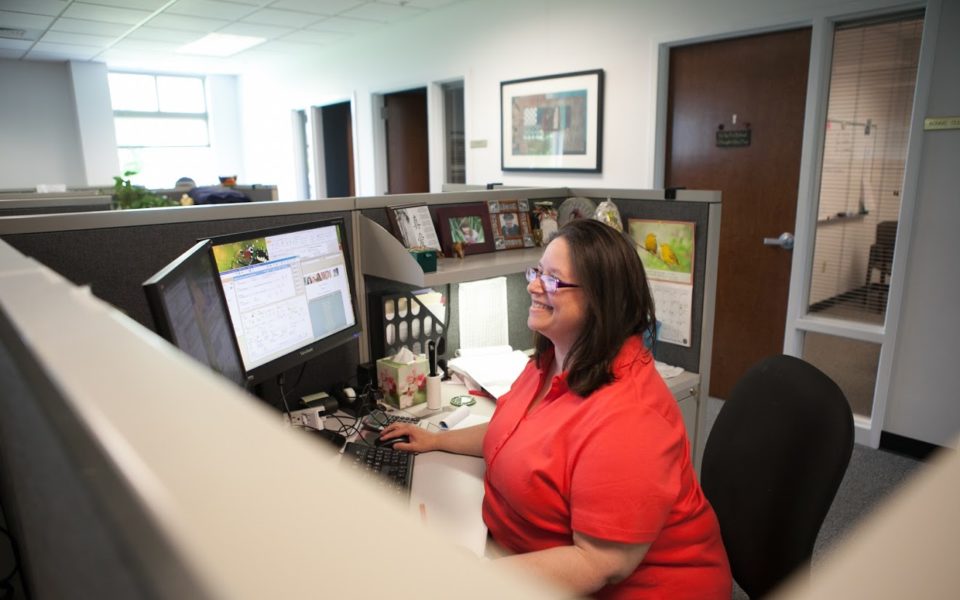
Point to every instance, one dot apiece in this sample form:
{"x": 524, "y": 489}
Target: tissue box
{"x": 403, "y": 384}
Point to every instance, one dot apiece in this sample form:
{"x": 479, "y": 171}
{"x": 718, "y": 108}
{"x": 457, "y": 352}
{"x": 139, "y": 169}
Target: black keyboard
{"x": 393, "y": 468}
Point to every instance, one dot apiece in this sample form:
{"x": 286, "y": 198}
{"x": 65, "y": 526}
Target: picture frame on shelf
{"x": 465, "y": 225}
{"x": 552, "y": 123}
{"x": 413, "y": 226}
{"x": 510, "y": 223}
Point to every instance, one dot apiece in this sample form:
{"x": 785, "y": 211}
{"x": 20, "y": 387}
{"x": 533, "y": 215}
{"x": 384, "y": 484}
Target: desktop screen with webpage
{"x": 288, "y": 291}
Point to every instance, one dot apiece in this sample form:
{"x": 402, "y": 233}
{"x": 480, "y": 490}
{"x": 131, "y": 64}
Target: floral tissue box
{"x": 403, "y": 384}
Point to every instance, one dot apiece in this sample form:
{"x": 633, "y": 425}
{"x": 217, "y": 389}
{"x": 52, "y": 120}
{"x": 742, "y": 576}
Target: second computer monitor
{"x": 289, "y": 291}
{"x": 188, "y": 310}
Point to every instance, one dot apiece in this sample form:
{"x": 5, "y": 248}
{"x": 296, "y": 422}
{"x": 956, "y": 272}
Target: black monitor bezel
{"x": 153, "y": 289}
{"x": 314, "y": 349}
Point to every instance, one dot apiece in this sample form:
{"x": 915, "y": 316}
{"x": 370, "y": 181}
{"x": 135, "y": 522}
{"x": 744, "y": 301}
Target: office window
{"x": 872, "y": 82}
{"x": 162, "y": 128}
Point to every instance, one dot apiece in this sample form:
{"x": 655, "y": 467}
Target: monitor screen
{"x": 189, "y": 311}
{"x": 289, "y": 291}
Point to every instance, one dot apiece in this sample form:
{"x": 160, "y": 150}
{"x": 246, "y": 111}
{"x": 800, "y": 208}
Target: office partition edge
{"x": 247, "y": 508}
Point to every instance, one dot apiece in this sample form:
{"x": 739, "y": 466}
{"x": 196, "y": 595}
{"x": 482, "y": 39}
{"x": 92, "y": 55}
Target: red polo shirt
{"x": 614, "y": 466}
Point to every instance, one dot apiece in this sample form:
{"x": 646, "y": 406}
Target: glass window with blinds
{"x": 872, "y": 81}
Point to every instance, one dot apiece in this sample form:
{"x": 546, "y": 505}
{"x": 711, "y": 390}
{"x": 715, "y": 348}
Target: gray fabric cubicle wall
{"x": 115, "y": 252}
{"x": 698, "y": 213}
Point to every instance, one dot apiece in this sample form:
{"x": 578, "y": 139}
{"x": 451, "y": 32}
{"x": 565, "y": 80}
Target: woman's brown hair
{"x": 619, "y": 305}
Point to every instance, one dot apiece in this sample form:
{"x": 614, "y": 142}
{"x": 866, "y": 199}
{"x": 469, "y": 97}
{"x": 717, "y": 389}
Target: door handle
{"x": 785, "y": 241}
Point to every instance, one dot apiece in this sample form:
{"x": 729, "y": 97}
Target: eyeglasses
{"x": 550, "y": 283}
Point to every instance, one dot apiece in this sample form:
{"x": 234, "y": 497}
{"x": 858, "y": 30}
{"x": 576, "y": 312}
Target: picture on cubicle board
{"x": 465, "y": 228}
{"x": 666, "y": 249}
{"x": 413, "y": 226}
{"x": 510, "y": 221}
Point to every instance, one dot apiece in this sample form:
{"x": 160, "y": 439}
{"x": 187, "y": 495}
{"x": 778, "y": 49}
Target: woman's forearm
{"x": 468, "y": 440}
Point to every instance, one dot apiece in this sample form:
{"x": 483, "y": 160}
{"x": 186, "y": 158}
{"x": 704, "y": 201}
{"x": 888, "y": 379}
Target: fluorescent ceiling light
{"x": 220, "y": 44}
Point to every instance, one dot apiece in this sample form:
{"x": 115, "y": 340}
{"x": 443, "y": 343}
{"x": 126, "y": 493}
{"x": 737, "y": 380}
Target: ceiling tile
{"x": 148, "y": 45}
{"x": 345, "y": 25}
{"x": 89, "y": 27}
{"x": 49, "y": 51}
{"x": 37, "y": 7}
{"x": 15, "y": 44}
{"x": 76, "y": 39}
{"x": 288, "y": 18}
{"x": 111, "y": 14}
{"x": 281, "y": 47}
{"x": 428, "y": 4}
{"x": 187, "y": 23}
{"x": 252, "y": 29}
{"x": 210, "y": 9}
{"x": 314, "y": 37}
{"x": 157, "y": 34}
{"x": 150, "y": 5}
{"x": 22, "y": 21}
{"x": 385, "y": 13}
{"x": 10, "y": 53}
{"x": 320, "y": 7}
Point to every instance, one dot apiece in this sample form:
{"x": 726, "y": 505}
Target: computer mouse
{"x": 389, "y": 443}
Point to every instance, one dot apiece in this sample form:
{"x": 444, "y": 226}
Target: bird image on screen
{"x": 289, "y": 292}
{"x": 189, "y": 311}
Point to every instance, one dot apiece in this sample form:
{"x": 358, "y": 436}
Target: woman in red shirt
{"x": 589, "y": 480}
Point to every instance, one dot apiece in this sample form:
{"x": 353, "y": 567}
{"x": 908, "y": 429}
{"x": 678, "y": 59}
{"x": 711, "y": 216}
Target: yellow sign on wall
{"x": 934, "y": 123}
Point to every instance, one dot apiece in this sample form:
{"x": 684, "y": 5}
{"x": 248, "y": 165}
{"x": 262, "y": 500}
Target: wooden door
{"x": 408, "y": 168}
{"x": 756, "y": 84}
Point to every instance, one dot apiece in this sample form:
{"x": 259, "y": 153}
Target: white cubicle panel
{"x": 199, "y": 482}
{"x": 907, "y": 548}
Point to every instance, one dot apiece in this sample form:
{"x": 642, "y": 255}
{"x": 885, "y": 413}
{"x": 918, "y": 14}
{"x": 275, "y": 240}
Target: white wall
{"x": 39, "y": 133}
{"x": 98, "y": 137}
{"x": 489, "y": 41}
{"x": 56, "y": 126}
{"x": 924, "y": 402}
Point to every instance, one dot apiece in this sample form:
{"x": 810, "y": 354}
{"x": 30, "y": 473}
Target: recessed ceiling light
{"x": 220, "y": 44}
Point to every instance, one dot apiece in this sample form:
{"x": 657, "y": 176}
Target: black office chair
{"x": 772, "y": 465}
{"x": 881, "y": 250}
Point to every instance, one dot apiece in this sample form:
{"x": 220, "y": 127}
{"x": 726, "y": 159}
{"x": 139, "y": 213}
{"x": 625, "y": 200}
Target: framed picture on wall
{"x": 466, "y": 226}
{"x": 552, "y": 123}
{"x": 413, "y": 226}
{"x": 510, "y": 222}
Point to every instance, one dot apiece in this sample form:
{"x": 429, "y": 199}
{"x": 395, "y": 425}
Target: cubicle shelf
{"x": 384, "y": 256}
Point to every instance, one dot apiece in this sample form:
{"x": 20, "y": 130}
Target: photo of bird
{"x": 650, "y": 243}
{"x": 668, "y": 256}
{"x": 663, "y": 245}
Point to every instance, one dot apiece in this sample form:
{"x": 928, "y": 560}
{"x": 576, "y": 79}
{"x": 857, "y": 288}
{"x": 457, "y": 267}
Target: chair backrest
{"x": 886, "y": 234}
{"x": 772, "y": 464}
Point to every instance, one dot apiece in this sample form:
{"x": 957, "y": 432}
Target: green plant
{"x": 127, "y": 195}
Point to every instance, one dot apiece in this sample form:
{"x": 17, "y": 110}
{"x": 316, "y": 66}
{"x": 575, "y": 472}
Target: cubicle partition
{"x": 30, "y": 203}
{"x": 129, "y": 471}
{"x": 115, "y": 252}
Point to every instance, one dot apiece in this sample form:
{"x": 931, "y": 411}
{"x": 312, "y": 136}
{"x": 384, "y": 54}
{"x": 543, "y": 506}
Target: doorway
{"x": 405, "y": 134}
{"x": 335, "y": 135}
{"x": 735, "y": 116}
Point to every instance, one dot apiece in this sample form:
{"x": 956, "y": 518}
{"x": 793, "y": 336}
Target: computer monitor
{"x": 289, "y": 291}
{"x": 189, "y": 310}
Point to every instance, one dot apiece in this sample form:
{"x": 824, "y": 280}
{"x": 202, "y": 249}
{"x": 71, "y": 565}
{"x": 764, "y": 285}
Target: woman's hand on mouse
{"x": 421, "y": 440}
